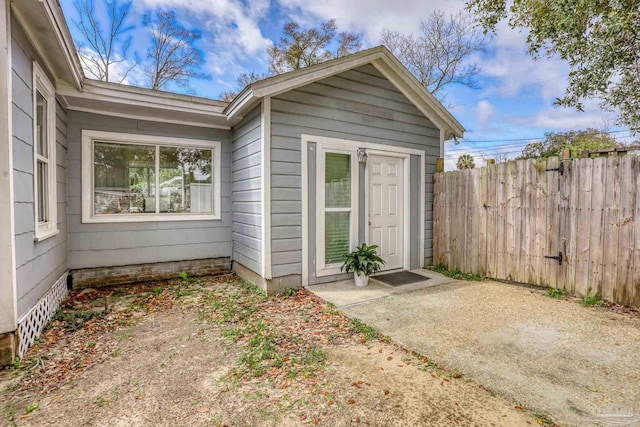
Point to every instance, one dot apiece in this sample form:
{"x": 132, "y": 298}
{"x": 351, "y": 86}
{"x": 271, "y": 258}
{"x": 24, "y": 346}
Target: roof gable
{"x": 380, "y": 57}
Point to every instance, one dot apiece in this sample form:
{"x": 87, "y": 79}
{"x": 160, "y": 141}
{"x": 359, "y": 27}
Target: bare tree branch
{"x": 440, "y": 54}
{"x": 301, "y": 48}
{"x": 102, "y": 48}
{"x": 172, "y": 54}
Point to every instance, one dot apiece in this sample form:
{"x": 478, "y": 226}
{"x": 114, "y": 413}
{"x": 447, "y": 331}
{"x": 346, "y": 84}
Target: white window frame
{"x": 91, "y": 136}
{"x": 41, "y": 84}
{"x": 323, "y": 269}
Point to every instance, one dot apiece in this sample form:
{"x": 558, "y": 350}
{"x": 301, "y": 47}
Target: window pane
{"x": 42, "y": 179}
{"x": 124, "y": 179}
{"x": 41, "y": 124}
{"x": 337, "y": 183}
{"x": 185, "y": 180}
{"x": 336, "y": 236}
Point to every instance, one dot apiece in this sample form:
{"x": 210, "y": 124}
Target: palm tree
{"x": 465, "y": 161}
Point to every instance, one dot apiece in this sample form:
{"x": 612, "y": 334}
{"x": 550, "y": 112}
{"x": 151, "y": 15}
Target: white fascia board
{"x": 61, "y": 30}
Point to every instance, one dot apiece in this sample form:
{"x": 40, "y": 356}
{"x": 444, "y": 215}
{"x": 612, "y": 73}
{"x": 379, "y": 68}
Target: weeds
{"x": 74, "y": 320}
{"x": 556, "y": 293}
{"x": 32, "y": 408}
{"x": 592, "y": 299}
{"x": 455, "y": 273}
{"x": 544, "y": 420}
{"x": 357, "y": 326}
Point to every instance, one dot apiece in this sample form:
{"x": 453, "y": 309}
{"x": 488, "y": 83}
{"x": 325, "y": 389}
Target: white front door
{"x": 386, "y": 208}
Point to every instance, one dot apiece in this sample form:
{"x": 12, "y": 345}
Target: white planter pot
{"x": 361, "y": 279}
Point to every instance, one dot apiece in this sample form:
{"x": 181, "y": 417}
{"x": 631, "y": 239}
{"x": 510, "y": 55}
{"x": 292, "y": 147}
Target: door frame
{"x": 406, "y": 216}
{"x": 373, "y": 148}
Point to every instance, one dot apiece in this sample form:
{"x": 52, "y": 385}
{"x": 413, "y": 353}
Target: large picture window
{"x": 44, "y": 155}
{"x": 142, "y": 178}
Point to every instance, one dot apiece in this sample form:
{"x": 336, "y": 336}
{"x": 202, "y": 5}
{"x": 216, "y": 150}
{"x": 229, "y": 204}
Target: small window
{"x": 337, "y": 211}
{"x": 144, "y": 178}
{"x": 336, "y": 208}
{"x": 44, "y": 155}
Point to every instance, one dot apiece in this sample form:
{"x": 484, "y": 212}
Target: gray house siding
{"x": 38, "y": 264}
{"x": 246, "y": 192}
{"x": 359, "y": 105}
{"x": 115, "y": 244}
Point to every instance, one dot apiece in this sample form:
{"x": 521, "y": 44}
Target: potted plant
{"x": 363, "y": 262}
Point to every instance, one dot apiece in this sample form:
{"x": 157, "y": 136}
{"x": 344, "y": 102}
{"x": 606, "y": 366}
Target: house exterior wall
{"x": 38, "y": 264}
{"x": 360, "y": 105}
{"x": 246, "y": 192}
{"x": 116, "y": 244}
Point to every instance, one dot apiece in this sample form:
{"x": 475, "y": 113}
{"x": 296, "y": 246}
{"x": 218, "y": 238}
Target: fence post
{"x": 491, "y": 162}
{"x": 440, "y": 165}
{"x": 566, "y": 154}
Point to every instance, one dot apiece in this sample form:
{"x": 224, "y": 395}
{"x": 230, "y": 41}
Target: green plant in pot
{"x": 363, "y": 262}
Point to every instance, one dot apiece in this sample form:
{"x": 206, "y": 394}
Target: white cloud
{"x": 484, "y": 111}
{"x": 126, "y": 72}
{"x": 515, "y": 70}
{"x": 370, "y": 17}
{"x": 562, "y": 119}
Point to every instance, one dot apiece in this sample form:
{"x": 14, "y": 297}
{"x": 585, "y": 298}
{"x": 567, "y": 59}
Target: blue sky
{"x": 513, "y": 105}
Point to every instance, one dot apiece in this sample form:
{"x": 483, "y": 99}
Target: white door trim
{"x": 352, "y": 145}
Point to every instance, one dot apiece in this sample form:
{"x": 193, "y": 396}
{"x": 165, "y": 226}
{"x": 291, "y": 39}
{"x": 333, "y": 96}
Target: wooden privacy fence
{"x": 507, "y": 220}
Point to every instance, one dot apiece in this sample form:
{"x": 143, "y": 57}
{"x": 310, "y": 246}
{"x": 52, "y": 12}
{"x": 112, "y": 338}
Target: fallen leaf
{"x": 539, "y": 421}
{"x": 350, "y": 402}
{"x": 386, "y": 392}
{"x": 330, "y": 402}
{"x": 302, "y": 418}
{"x": 139, "y": 397}
{"x": 389, "y": 358}
{"x": 203, "y": 410}
{"x": 519, "y": 408}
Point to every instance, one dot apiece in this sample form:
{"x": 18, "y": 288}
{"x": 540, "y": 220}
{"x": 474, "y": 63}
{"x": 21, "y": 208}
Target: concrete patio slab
{"x": 345, "y": 292}
{"x": 577, "y": 364}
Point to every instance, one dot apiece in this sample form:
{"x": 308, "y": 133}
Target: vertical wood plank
{"x": 492, "y": 212}
{"x": 482, "y": 223}
{"x": 583, "y": 218}
{"x": 551, "y": 230}
{"x": 510, "y": 241}
{"x": 624, "y": 280}
{"x": 610, "y": 229}
{"x": 502, "y": 225}
{"x": 596, "y": 238}
{"x": 438, "y": 217}
{"x": 633, "y": 291}
{"x": 564, "y": 229}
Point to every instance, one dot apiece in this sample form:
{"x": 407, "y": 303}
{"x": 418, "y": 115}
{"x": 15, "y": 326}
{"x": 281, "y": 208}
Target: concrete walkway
{"x": 579, "y": 365}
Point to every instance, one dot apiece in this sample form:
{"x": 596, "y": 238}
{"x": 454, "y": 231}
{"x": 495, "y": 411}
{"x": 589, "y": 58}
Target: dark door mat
{"x": 400, "y": 278}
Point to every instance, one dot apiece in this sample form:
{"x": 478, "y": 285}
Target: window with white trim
{"x": 336, "y": 208}
{"x": 44, "y": 155}
{"x": 131, "y": 178}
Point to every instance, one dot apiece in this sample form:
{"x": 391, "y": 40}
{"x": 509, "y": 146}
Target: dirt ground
{"x": 578, "y": 364}
{"x": 215, "y": 351}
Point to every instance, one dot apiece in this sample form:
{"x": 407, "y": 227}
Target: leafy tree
{"x": 301, "y": 48}
{"x": 465, "y": 161}
{"x": 599, "y": 39}
{"x": 440, "y": 54}
{"x": 103, "y": 51}
{"x": 575, "y": 141}
{"x": 172, "y": 55}
{"x": 244, "y": 79}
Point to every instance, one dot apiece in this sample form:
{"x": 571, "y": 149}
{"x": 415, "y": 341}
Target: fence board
{"x": 583, "y": 217}
{"x": 596, "y": 238}
{"x": 610, "y": 229}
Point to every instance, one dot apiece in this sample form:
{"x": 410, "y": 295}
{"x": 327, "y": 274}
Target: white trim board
{"x": 265, "y": 181}
{"x": 8, "y": 286}
{"x": 89, "y": 136}
{"x": 350, "y": 145}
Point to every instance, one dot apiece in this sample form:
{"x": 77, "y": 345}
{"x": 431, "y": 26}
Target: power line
{"x": 537, "y": 138}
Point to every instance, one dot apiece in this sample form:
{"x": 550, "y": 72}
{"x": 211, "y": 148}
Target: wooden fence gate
{"x": 569, "y": 224}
